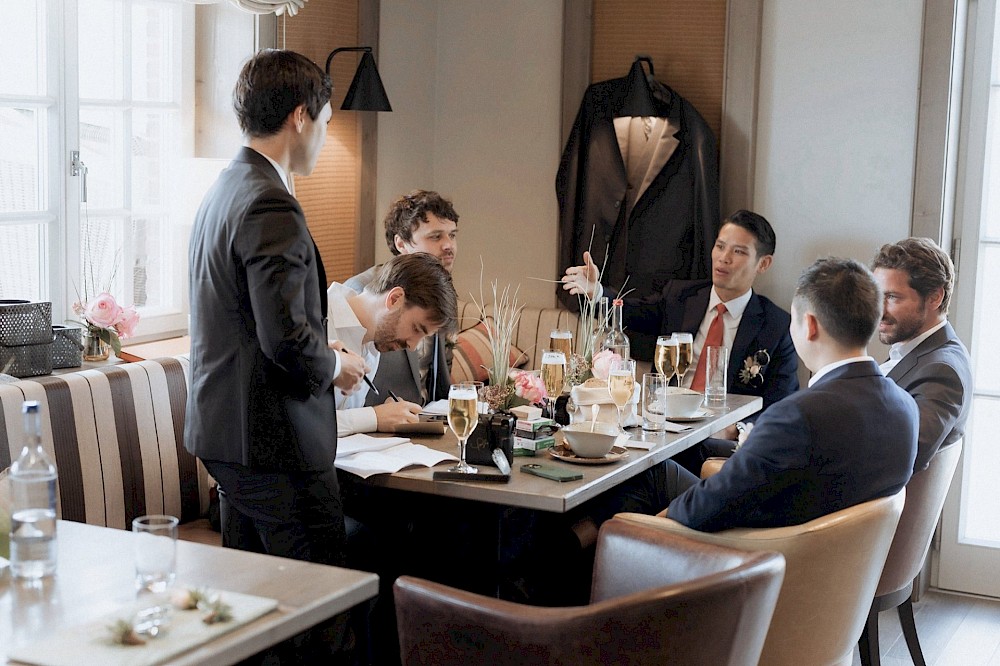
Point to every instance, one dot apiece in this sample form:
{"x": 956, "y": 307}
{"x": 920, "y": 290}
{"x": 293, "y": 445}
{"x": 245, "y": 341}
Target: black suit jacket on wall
{"x": 849, "y": 438}
{"x": 260, "y": 366}
{"x": 671, "y": 228}
{"x": 681, "y": 306}
{"x": 938, "y": 375}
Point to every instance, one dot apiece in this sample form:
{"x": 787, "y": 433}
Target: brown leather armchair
{"x": 655, "y": 599}
{"x": 925, "y": 495}
{"x": 832, "y": 565}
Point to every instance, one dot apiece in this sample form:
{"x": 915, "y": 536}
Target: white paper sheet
{"x": 352, "y": 444}
{"x": 391, "y": 460}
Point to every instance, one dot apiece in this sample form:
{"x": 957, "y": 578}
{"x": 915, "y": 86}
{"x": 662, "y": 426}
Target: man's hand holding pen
{"x": 352, "y": 369}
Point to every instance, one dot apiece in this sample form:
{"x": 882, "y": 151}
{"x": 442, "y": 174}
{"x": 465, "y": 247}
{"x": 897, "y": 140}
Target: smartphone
{"x": 554, "y": 473}
{"x": 444, "y": 475}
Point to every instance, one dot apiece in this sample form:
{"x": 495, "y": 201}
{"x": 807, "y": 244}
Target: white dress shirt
{"x": 730, "y": 323}
{"x": 898, "y": 350}
{"x": 352, "y": 416}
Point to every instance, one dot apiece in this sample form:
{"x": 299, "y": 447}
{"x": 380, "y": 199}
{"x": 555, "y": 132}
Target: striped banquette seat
{"x": 117, "y": 436}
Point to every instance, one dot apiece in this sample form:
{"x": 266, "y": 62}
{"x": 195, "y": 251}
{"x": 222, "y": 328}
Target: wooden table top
{"x": 95, "y": 578}
{"x": 532, "y": 492}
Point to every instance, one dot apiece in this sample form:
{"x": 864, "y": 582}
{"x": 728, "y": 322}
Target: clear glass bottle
{"x": 615, "y": 339}
{"x": 600, "y": 324}
{"x": 33, "y": 503}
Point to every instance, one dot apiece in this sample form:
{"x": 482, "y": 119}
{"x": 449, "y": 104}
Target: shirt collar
{"x": 734, "y": 307}
{"x": 826, "y": 369}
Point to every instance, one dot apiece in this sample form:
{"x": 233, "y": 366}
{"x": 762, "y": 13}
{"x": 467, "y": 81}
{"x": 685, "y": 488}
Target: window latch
{"x": 78, "y": 168}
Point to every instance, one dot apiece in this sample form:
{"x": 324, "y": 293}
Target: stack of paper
{"x": 365, "y": 455}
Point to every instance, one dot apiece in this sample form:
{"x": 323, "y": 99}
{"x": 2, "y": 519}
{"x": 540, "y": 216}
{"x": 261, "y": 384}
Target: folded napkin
{"x": 584, "y": 397}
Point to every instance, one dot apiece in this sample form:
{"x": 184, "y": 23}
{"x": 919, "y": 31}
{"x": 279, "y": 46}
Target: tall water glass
{"x": 463, "y": 416}
{"x": 621, "y": 385}
{"x": 155, "y": 552}
{"x": 716, "y": 368}
{"x": 553, "y": 376}
{"x": 654, "y": 401}
{"x": 685, "y": 354}
{"x": 665, "y": 356}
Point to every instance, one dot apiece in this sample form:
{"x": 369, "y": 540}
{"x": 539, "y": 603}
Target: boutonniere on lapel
{"x": 752, "y": 373}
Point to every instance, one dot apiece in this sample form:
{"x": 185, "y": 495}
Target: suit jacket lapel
{"x": 750, "y": 325}
{"x": 908, "y": 362}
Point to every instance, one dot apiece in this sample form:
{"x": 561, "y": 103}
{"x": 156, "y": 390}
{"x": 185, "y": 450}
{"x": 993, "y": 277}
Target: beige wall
{"x": 834, "y": 161}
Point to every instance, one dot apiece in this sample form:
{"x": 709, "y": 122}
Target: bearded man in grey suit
{"x": 926, "y": 358}
{"x": 260, "y": 411}
{"x": 421, "y": 221}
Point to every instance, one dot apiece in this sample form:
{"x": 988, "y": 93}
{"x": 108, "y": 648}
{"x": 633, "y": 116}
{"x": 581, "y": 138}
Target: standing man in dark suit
{"x": 926, "y": 357}
{"x": 850, "y": 437}
{"x": 421, "y": 221}
{"x": 754, "y": 328}
{"x": 260, "y": 411}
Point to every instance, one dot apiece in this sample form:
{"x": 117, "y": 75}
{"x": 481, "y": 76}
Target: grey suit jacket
{"x": 261, "y": 369}
{"x": 938, "y": 374}
{"x": 399, "y": 371}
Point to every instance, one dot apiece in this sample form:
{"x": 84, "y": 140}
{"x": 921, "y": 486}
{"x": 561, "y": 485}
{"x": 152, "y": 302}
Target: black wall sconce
{"x": 366, "y": 92}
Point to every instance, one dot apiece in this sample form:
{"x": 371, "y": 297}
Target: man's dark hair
{"x": 756, "y": 225}
{"x": 927, "y": 265}
{"x": 271, "y": 84}
{"x": 409, "y": 211}
{"x": 425, "y": 282}
{"x": 844, "y": 297}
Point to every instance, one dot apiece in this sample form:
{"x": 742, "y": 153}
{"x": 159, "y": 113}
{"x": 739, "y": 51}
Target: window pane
{"x": 21, "y": 268}
{"x": 153, "y": 45}
{"x": 154, "y": 157}
{"x": 20, "y": 174}
{"x": 980, "y": 487}
{"x": 991, "y": 173}
{"x": 986, "y": 355}
{"x": 101, "y": 149}
{"x": 150, "y": 269}
{"x": 102, "y": 58}
{"x": 22, "y": 49}
{"x": 101, "y": 257}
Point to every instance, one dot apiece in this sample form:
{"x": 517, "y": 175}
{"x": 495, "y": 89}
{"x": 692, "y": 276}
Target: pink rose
{"x": 601, "y": 366}
{"x": 127, "y": 323}
{"x": 529, "y": 386}
{"x": 103, "y": 311}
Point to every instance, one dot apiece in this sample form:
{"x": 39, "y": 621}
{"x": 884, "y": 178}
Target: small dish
{"x": 699, "y": 415}
{"x": 563, "y": 452}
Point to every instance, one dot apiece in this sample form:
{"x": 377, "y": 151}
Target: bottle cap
{"x": 29, "y": 407}
{"x": 618, "y": 301}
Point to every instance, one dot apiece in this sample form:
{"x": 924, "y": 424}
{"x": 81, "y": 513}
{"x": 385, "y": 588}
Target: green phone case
{"x": 554, "y": 473}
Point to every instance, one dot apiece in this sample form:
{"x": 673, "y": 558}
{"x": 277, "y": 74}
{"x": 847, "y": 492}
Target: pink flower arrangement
{"x": 601, "y": 366}
{"x": 529, "y": 386}
{"x": 105, "y": 319}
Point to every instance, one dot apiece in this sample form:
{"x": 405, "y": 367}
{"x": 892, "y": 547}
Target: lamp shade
{"x": 366, "y": 92}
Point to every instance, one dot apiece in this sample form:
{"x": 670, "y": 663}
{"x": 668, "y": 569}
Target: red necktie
{"x": 713, "y": 338}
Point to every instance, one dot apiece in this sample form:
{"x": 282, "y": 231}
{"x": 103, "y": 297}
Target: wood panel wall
{"x": 685, "y": 38}
{"x": 330, "y": 196}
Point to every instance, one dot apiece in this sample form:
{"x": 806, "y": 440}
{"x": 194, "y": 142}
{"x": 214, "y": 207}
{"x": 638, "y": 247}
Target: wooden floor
{"x": 954, "y": 630}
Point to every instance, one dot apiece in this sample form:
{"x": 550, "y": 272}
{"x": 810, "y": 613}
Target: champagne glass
{"x": 665, "y": 357}
{"x": 463, "y": 416}
{"x": 621, "y": 384}
{"x": 553, "y": 376}
{"x": 685, "y": 352}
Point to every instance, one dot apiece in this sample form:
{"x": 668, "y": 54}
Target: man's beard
{"x": 905, "y": 329}
{"x": 385, "y": 332}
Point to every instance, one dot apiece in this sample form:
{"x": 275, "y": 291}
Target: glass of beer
{"x": 553, "y": 376}
{"x": 621, "y": 385}
{"x": 665, "y": 356}
{"x": 561, "y": 340}
{"x": 463, "y": 416}
{"x": 685, "y": 352}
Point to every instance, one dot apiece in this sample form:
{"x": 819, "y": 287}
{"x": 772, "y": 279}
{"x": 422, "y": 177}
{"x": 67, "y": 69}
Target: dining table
{"x": 95, "y": 577}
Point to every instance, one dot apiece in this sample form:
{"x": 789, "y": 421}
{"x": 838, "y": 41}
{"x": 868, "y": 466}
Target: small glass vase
{"x": 95, "y": 349}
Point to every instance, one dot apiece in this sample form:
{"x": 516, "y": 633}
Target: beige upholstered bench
{"x": 117, "y": 435}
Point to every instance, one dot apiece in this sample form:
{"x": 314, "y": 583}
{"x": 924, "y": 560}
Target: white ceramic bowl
{"x": 680, "y": 401}
{"x": 590, "y": 444}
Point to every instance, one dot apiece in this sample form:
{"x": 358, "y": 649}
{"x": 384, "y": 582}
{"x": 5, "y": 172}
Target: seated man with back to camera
{"x": 753, "y": 328}
{"x": 926, "y": 357}
{"x": 421, "y": 221}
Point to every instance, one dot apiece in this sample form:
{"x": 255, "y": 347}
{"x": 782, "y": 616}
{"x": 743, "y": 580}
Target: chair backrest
{"x": 925, "y": 495}
{"x": 832, "y": 565}
{"x": 697, "y": 591}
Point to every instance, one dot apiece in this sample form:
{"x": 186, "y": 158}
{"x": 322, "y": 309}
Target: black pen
{"x": 372, "y": 386}
{"x": 393, "y": 396}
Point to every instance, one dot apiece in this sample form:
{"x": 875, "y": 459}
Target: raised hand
{"x": 583, "y": 279}
{"x": 352, "y": 369}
